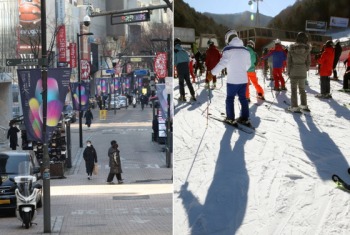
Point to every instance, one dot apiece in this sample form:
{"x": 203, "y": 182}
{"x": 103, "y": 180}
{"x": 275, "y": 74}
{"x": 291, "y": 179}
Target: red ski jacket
{"x": 326, "y": 62}
{"x": 213, "y": 57}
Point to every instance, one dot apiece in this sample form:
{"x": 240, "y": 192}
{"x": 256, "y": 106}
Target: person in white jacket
{"x": 236, "y": 58}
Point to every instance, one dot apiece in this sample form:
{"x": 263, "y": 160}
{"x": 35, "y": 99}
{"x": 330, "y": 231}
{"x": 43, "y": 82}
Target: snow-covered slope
{"x": 229, "y": 182}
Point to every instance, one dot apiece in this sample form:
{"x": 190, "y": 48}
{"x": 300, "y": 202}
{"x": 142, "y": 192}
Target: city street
{"x": 142, "y": 205}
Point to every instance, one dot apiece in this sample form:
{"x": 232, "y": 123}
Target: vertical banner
{"x": 128, "y": 68}
{"x": 136, "y": 84}
{"x": 117, "y": 69}
{"x": 73, "y": 55}
{"x": 160, "y": 65}
{"x": 98, "y": 86}
{"x": 127, "y": 85}
{"x": 140, "y": 84}
{"x": 116, "y": 86}
{"x": 104, "y": 87}
{"x": 30, "y": 84}
{"x": 61, "y": 43}
{"x": 122, "y": 80}
{"x": 162, "y": 97}
{"x": 85, "y": 69}
{"x": 85, "y": 93}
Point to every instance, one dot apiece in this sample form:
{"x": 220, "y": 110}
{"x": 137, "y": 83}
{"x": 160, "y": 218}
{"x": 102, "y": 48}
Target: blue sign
{"x": 140, "y": 72}
{"x": 110, "y": 71}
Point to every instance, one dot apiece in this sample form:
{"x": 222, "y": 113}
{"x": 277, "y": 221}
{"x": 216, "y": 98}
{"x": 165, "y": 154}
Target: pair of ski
{"x": 188, "y": 101}
{"x": 346, "y": 105}
{"x": 341, "y": 183}
{"x": 249, "y": 129}
{"x": 344, "y": 90}
{"x": 305, "y": 111}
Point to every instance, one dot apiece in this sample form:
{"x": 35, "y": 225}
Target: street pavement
{"x": 142, "y": 205}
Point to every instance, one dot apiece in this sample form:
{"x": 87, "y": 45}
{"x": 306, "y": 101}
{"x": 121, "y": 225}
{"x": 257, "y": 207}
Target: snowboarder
{"x": 251, "y": 71}
{"x": 279, "y": 55}
{"x": 181, "y": 61}
{"x": 237, "y": 60}
{"x": 298, "y": 65}
{"x": 326, "y": 62}
{"x": 212, "y": 59}
{"x": 338, "y": 50}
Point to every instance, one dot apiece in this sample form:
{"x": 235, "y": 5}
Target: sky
{"x": 266, "y": 7}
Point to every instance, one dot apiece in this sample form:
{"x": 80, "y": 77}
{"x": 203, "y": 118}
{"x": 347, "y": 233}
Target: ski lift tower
{"x": 257, "y": 19}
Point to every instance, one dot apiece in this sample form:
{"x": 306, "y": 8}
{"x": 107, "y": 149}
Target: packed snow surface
{"x": 230, "y": 182}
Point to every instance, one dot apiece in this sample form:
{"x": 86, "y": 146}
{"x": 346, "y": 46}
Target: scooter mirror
{"x": 12, "y": 179}
{"x": 38, "y": 186}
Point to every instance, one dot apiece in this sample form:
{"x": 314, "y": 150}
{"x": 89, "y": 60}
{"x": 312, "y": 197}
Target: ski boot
{"x": 214, "y": 85}
{"x": 193, "y": 98}
{"x": 244, "y": 121}
{"x": 261, "y": 96}
{"x": 283, "y": 88}
{"x": 294, "y": 109}
{"x": 206, "y": 85}
{"x": 304, "y": 107}
{"x": 306, "y": 82}
{"x": 182, "y": 98}
{"x": 276, "y": 89}
{"x": 328, "y": 96}
{"x": 320, "y": 96}
{"x": 231, "y": 121}
{"x": 248, "y": 99}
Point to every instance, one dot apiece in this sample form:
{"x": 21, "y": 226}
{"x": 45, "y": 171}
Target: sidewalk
{"x": 142, "y": 205}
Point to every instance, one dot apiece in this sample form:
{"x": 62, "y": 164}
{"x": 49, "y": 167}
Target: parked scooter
{"x": 134, "y": 102}
{"x": 26, "y": 194}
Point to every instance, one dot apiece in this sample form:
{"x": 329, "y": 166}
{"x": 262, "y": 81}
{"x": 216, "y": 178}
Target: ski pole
{"x": 277, "y": 95}
{"x": 208, "y": 107}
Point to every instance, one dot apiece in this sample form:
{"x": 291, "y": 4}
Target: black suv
{"x": 9, "y": 162}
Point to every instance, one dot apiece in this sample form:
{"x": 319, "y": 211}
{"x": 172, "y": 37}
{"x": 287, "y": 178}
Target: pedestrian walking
{"x": 89, "y": 117}
{"x": 337, "y": 53}
{"x": 279, "y": 55}
{"x": 298, "y": 64}
{"x": 90, "y": 157}
{"x": 114, "y": 163}
{"x": 144, "y": 100}
{"x": 99, "y": 101}
{"x": 326, "y": 69}
{"x": 212, "y": 59}
{"x": 251, "y": 72}
{"x": 12, "y": 135}
{"x": 237, "y": 60}
{"x": 155, "y": 127}
{"x": 181, "y": 61}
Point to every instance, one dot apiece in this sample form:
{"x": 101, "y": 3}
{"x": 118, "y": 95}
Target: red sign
{"x": 128, "y": 68}
{"x": 85, "y": 69}
{"x": 73, "y": 55}
{"x": 117, "y": 69}
{"x": 61, "y": 42}
{"x": 160, "y": 65}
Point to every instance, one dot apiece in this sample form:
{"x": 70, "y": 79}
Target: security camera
{"x": 87, "y": 20}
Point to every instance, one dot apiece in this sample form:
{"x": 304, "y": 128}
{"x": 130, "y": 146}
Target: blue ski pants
{"x": 232, "y": 91}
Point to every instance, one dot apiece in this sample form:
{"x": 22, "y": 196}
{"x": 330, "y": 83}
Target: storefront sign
{"x": 61, "y": 43}
{"x": 85, "y": 69}
{"x": 103, "y": 115}
{"x": 73, "y": 55}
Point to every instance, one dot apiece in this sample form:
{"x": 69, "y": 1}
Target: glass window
{"x": 251, "y": 32}
{"x": 9, "y": 165}
{"x": 269, "y": 33}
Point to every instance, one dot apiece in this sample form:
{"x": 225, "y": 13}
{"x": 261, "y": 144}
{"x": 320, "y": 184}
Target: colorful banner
{"x": 85, "y": 93}
{"x": 103, "y": 115}
{"x": 339, "y": 22}
{"x": 114, "y": 85}
{"x": 122, "y": 83}
{"x": 160, "y": 65}
{"x": 61, "y": 43}
{"x": 127, "y": 85}
{"x": 73, "y": 55}
{"x": 102, "y": 85}
{"x": 98, "y": 86}
{"x": 30, "y": 84}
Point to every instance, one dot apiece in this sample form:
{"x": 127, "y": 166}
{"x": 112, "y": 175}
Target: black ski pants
{"x": 346, "y": 80}
{"x": 325, "y": 85}
{"x": 182, "y": 79}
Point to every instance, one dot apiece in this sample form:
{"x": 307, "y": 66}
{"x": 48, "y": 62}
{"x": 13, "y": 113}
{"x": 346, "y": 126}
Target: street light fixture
{"x": 79, "y": 81}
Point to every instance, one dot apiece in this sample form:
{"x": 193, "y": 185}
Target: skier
{"x": 212, "y": 59}
{"x": 181, "y": 61}
{"x": 192, "y": 60}
{"x": 347, "y": 62}
{"x": 251, "y": 71}
{"x": 199, "y": 62}
{"x": 237, "y": 60}
{"x": 346, "y": 80}
{"x": 279, "y": 55}
{"x": 298, "y": 64}
{"x": 326, "y": 66}
{"x": 265, "y": 63}
{"x": 338, "y": 50}
{"x": 270, "y": 64}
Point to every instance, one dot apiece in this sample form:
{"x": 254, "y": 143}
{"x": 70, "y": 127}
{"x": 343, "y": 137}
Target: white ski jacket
{"x": 236, "y": 58}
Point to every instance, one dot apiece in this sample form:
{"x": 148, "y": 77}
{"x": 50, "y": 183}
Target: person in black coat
{"x": 114, "y": 163}
{"x": 89, "y": 117}
{"x": 12, "y": 135}
{"x": 143, "y": 100}
{"x": 90, "y": 157}
{"x": 155, "y": 127}
{"x": 338, "y": 51}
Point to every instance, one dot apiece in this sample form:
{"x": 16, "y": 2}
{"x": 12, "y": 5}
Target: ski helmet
{"x": 228, "y": 35}
{"x": 277, "y": 42}
{"x": 177, "y": 41}
{"x": 302, "y": 37}
{"x": 210, "y": 42}
{"x": 251, "y": 44}
{"x": 329, "y": 43}
{"x": 336, "y": 41}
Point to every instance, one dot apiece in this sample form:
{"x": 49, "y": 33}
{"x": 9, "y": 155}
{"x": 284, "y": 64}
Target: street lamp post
{"x": 168, "y": 98}
{"x": 79, "y": 81}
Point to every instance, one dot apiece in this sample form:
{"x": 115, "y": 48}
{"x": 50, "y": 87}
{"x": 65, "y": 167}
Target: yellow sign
{"x": 103, "y": 114}
{"x": 144, "y": 91}
{"x": 135, "y": 59}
